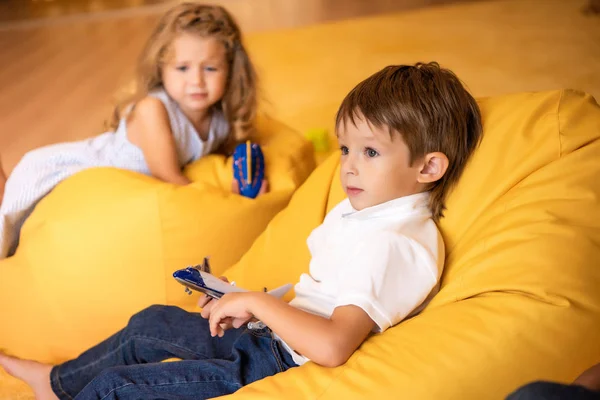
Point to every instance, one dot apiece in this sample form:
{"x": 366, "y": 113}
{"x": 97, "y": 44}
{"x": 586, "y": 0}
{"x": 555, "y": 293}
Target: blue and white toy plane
{"x": 200, "y": 279}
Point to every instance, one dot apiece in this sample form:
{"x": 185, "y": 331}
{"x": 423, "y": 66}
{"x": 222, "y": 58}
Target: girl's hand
{"x": 232, "y": 310}
{"x": 264, "y": 187}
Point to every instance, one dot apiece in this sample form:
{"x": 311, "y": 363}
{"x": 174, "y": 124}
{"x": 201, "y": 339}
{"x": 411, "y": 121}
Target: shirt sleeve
{"x": 388, "y": 276}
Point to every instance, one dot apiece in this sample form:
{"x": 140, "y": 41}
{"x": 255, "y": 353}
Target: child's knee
{"x": 152, "y": 317}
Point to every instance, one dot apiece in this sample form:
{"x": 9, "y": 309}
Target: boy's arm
{"x": 328, "y": 342}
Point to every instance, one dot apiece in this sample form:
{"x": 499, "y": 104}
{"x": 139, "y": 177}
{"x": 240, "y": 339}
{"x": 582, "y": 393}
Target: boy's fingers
{"x": 213, "y": 324}
{"x": 204, "y": 300}
{"x": 226, "y": 323}
{"x": 205, "y": 313}
{"x": 238, "y": 322}
{"x": 215, "y": 321}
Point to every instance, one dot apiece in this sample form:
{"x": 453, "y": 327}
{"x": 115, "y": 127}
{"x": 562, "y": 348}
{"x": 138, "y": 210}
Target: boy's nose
{"x": 349, "y": 166}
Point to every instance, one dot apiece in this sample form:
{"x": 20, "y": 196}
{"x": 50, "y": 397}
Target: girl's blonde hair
{"x": 240, "y": 98}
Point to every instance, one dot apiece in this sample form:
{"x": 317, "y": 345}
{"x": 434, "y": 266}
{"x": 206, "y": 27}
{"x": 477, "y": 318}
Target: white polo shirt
{"x": 386, "y": 259}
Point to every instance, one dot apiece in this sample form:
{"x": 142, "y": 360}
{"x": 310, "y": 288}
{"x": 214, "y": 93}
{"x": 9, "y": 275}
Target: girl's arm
{"x": 148, "y": 128}
{"x": 328, "y": 342}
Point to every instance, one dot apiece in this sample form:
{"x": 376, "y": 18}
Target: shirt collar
{"x": 407, "y": 205}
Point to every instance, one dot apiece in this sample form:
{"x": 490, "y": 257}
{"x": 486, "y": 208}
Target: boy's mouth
{"x": 353, "y": 191}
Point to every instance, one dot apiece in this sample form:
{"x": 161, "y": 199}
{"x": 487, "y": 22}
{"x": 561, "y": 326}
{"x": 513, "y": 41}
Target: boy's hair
{"x": 431, "y": 110}
{"x": 239, "y": 102}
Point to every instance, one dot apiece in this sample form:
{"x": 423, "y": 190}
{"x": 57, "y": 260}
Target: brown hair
{"x": 429, "y": 107}
{"x": 240, "y": 99}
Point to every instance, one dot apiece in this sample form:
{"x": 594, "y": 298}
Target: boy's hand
{"x": 232, "y": 310}
{"x": 205, "y": 302}
{"x": 225, "y": 324}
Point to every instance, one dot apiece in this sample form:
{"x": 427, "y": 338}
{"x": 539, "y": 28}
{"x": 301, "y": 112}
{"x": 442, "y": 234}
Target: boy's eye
{"x": 181, "y": 68}
{"x": 210, "y": 69}
{"x": 371, "y": 153}
{"x": 344, "y": 150}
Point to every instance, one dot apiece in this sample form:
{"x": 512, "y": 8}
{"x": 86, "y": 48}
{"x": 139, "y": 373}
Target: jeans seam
{"x": 165, "y": 384}
{"x": 276, "y": 355}
{"x": 125, "y": 343}
{"x": 59, "y": 384}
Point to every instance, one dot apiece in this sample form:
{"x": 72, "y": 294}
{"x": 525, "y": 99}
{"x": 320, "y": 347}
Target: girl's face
{"x": 195, "y": 75}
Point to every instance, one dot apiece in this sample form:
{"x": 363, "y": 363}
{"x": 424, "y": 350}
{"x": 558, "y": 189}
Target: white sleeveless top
{"x": 119, "y": 152}
{"x": 40, "y": 170}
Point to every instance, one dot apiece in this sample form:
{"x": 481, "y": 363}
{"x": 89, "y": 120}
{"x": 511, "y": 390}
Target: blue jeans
{"x": 128, "y": 364}
{"x": 541, "y": 390}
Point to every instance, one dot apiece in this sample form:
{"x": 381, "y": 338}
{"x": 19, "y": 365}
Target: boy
{"x": 405, "y": 136}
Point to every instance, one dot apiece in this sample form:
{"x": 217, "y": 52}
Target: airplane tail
{"x": 280, "y": 291}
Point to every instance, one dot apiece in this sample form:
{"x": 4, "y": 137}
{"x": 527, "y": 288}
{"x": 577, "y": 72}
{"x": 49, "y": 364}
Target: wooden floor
{"x": 279, "y": 13}
{"x": 16, "y": 10}
{"x": 63, "y": 62}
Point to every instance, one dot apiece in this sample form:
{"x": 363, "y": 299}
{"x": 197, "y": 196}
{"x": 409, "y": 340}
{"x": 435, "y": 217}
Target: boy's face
{"x": 374, "y": 165}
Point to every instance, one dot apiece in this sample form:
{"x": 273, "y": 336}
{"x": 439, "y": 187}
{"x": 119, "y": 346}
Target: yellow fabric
{"x": 554, "y": 47}
{"x": 309, "y": 70}
{"x": 105, "y": 242}
{"x": 519, "y": 299}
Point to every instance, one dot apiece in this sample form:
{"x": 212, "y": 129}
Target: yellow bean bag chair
{"x": 104, "y": 244}
{"x": 520, "y": 297}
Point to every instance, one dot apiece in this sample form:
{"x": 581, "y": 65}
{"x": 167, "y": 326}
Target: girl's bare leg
{"x": 35, "y": 374}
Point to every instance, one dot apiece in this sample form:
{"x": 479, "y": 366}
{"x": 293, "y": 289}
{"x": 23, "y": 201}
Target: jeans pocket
{"x": 284, "y": 358}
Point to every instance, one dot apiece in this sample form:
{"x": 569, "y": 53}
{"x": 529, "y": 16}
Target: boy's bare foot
{"x": 35, "y": 374}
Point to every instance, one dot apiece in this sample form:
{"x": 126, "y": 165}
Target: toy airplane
{"x": 248, "y": 168}
{"x": 200, "y": 279}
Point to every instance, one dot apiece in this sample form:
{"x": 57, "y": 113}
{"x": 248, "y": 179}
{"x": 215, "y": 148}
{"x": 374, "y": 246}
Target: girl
{"x": 196, "y": 94}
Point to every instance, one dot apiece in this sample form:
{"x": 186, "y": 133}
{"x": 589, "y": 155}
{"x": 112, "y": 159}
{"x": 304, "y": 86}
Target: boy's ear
{"x": 434, "y": 166}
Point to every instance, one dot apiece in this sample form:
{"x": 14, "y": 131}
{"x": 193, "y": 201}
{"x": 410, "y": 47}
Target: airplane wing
{"x": 280, "y": 291}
